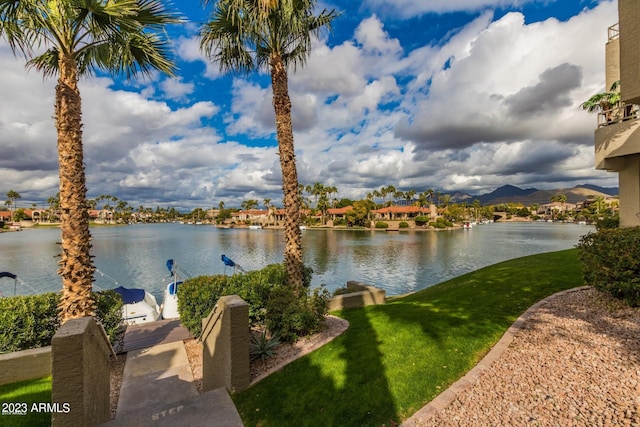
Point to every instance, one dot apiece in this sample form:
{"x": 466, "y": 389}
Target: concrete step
{"x": 212, "y": 409}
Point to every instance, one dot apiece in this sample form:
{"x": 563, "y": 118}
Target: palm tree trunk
{"x": 76, "y": 266}
{"x": 293, "y": 235}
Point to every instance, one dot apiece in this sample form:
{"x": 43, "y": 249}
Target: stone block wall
{"x": 362, "y": 295}
{"x": 25, "y": 365}
{"x": 225, "y": 335}
{"x": 80, "y": 374}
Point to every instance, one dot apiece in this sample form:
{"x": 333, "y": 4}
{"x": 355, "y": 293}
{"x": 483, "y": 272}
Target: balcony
{"x": 618, "y": 114}
{"x": 614, "y": 31}
{"x": 617, "y": 136}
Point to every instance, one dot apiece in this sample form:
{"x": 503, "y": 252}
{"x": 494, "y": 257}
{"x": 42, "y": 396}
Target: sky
{"x": 452, "y": 95}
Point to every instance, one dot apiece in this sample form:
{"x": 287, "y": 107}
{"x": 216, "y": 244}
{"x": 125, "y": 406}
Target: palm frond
{"x": 239, "y": 29}
{"x": 47, "y": 63}
{"x": 98, "y": 34}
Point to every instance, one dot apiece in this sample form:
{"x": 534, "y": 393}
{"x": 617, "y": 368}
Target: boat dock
{"x": 153, "y": 333}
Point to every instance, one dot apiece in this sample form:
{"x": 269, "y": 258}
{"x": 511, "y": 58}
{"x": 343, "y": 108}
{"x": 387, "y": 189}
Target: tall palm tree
{"x": 243, "y": 37}
{"x": 12, "y": 196}
{"x": 83, "y": 36}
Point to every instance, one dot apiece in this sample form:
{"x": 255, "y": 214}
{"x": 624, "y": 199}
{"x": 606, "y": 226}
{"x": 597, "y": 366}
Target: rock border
{"x": 449, "y": 395}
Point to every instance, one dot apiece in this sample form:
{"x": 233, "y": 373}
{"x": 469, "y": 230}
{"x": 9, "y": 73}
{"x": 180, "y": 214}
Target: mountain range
{"x": 529, "y": 196}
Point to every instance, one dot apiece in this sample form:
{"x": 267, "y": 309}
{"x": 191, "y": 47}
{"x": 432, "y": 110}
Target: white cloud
{"x": 493, "y": 103}
{"x": 412, "y": 8}
{"x": 176, "y": 89}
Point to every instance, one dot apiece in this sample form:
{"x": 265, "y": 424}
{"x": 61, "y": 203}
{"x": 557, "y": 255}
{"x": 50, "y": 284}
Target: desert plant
{"x": 262, "y": 346}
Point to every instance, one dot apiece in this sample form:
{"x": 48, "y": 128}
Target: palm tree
{"x": 124, "y": 37}
{"x": 604, "y": 102}
{"x": 243, "y": 37}
{"x": 250, "y": 204}
{"x": 12, "y": 196}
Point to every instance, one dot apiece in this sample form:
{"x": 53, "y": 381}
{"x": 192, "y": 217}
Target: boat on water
{"x": 138, "y": 306}
{"x": 169, "y": 307}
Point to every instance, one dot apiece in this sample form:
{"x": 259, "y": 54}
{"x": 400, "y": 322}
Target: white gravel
{"x": 575, "y": 362}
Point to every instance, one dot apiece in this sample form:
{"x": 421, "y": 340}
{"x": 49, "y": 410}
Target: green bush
{"x": 441, "y": 223}
{"x": 339, "y": 222}
{"x": 109, "y": 314}
{"x": 608, "y": 223}
{"x": 611, "y": 262}
{"x": 198, "y": 296}
{"x": 403, "y": 224}
{"x": 294, "y": 317}
{"x": 30, "y": 321}
{"x": 422, "y": 220}
{"x": 381, "y": 224}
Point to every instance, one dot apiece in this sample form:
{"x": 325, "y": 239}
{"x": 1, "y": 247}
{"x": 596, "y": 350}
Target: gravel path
{"x": 575, "y": 361}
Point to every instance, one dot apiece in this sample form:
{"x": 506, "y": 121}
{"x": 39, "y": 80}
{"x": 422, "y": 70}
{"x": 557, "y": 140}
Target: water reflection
{"x": 399, "y": 262}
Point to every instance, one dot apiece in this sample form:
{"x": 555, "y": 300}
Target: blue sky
{"x": 454, "y": 95}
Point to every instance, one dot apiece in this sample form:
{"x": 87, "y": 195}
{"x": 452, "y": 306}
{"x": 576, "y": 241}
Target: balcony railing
{"x": 618, "y": 114}
{"x": 614, "y": 31}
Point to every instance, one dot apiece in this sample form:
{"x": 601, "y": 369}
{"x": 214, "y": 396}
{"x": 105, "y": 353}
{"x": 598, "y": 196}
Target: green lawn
{"x": 23, "y": 394}
{"x": 395, "y": 358}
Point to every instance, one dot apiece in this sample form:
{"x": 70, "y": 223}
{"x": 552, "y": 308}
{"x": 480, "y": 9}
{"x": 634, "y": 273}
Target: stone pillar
{"x": 225, "y": 335}
{"x": 80, "y": 353}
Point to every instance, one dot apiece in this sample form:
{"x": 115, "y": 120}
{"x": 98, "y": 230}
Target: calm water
{"x": 399, "y": 262}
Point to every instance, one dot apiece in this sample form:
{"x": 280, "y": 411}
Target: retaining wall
{"x": 363, "y": 295}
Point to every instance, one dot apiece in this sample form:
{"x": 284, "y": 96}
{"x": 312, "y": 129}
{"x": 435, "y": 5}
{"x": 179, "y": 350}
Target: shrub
{"x": 381, "y": 224}
{"x": 31, "y": 321}
{"x": 443, "y": 223}
{"x": 403, "y": 224}
{"x": 197, "y": 297}
{"x": 109, "y": 314}
{"x": 611, "y": 262}
{"x": 608, "y": 223}
{"x": 340, "y": 222}
{"x": 293, "y": 316}
{"x": 422, "y": 220}
{"x": 28, "y": 321}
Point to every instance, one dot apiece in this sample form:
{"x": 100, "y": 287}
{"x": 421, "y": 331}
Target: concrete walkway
{"x": 158, "y": 390}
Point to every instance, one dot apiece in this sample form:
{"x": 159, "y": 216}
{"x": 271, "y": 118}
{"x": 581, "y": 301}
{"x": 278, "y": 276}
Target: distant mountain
{"x": 513, "y": 194}
{"x": 506, "y": 192}
{"x": 611, "y": 191}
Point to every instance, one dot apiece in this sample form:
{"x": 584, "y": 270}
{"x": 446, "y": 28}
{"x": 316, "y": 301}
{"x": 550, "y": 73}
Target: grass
{"x": 395, "y": 358}
{"x": 26, "y": 392}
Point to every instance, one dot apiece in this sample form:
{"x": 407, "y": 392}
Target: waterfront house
{"x": 400, "y": 213}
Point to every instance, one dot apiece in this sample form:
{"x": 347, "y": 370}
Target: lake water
{"x": 398, "y": 262}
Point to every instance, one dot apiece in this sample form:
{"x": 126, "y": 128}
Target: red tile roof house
{"x": 400, "y": 213}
